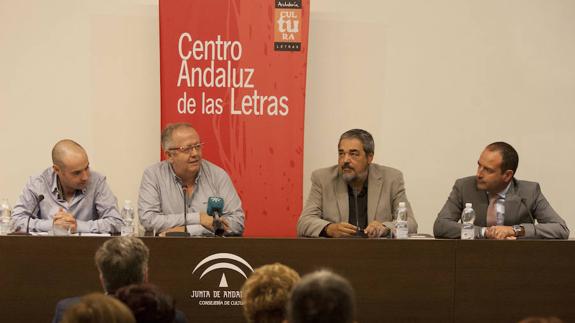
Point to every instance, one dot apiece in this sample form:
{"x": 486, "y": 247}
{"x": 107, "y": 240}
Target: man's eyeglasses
{"x": 353, "y": 154}
{"x": 187, "y": 149}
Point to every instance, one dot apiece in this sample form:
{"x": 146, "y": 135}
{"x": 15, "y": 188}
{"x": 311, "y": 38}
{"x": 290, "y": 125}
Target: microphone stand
{"x": 27, "y": 233}
{"x": 185, "y": 190}
{"x": 358, "y": 233}
{"x": 185, "y": 233}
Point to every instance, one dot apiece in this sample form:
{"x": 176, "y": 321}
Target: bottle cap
{"x": 401, "y": 204}
{"x": 467, "y": 205}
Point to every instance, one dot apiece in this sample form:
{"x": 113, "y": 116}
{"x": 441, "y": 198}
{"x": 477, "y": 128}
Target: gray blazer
{"x": 328, "y": 200}
{"x": 524, "y": 203}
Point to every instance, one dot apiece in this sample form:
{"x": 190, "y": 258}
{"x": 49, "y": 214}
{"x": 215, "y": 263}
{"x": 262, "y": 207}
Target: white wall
{"x": 433, "y": 80}
{"x": 86, "y": 70}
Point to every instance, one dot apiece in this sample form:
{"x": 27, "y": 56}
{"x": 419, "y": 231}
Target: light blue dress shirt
{"x": 95, "y": 207}
{"x": 161, "y": 199}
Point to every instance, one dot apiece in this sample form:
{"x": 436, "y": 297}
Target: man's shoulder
{"x": 326, "y": 172}
{"x": 97, "y": 175}
{"x": 62, "y": 306}
{"x": 45, "y": 177}
{"x": 163, "y": 164}
{"x": 68, "y": 301}
{"x": 525, "y": 186}
{"x": 211, "y": 169}
{"x": 385, "y": 171}
{"x": 211, "y": 166}
{"x": 180, "y": 317}
{"x": 158, "y": 169}
{"x": 466, "y": 181}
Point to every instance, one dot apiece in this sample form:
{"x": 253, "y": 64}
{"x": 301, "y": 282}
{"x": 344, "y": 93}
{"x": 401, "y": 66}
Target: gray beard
{"x": 350, "y": 178}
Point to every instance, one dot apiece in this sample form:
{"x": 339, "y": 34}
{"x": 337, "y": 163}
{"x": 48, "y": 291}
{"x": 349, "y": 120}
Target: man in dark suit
{"x": 506, "y": 208}
{"x": 355, "y": 196}
{"x": 121, "y": 261}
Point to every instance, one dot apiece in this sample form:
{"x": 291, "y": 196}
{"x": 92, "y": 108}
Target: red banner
{"x": 236, "y": 70}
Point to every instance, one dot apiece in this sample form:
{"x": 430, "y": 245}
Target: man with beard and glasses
{"x": 161, "y": 198}
{"x": 68, "y": 195}
{"x": 355, "y": 197}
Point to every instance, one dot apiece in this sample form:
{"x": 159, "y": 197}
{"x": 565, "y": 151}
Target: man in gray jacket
{"x": 505, "y": 208}
{"x": 355, "y": 197}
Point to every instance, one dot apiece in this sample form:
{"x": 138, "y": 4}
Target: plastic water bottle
{"x": 468, "y": 217}
{"x": 5, "y": 217}
{"x": 128, "y": 216}
{"x": 401, "y": 231}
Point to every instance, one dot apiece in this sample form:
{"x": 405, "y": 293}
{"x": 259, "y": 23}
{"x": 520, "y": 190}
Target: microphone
{"x": 359, "y": 232}
{"x": 530, "y": 216}
{"x": 215, "y": 208}
{"x": 185, "y": 190}
{"x": 185, "y": 233}
{"x": 38, "y": 200}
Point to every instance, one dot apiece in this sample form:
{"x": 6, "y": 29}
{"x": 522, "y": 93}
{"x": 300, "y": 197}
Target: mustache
{"x": 346, "y": 166}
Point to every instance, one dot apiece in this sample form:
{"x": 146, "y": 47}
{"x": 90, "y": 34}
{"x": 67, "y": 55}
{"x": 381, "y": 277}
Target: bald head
{"x": 71, "y": 165}
{"x": 65, "y": 148}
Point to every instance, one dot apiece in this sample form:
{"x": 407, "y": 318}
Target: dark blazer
{"x": 524, "y": 203}
{"x": 328, "y": 200}
{"x": 65, "y": 303}
{"x": 62, "y": 306}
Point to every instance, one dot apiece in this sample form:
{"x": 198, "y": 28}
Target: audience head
{"x": 148, "y": 303}
{"x": 122, "y": 261}
{"x": 98, "y": 308}
{"x": 322, "y": 296}
{"x": 266, "y": 291}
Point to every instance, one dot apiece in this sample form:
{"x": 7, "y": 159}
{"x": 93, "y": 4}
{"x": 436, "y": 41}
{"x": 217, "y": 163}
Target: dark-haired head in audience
{"x": 322, "y": 297}
{"x": 98, "y": 308}
{"x": 122, "y": 261}
{"x": 266, "y": 291}
{"x": 148, "y": 303}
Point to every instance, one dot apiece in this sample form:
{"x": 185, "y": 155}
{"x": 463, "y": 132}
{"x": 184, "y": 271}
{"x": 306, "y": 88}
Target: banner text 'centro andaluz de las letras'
{"x": 236, "y": 70}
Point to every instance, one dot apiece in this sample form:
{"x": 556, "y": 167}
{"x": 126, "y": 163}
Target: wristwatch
{"x": 519, "y": 230}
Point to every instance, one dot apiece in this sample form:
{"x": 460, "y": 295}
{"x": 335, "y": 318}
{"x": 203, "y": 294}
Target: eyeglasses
{"x": 188, "y": 149}
{"x": 353, "y": 154}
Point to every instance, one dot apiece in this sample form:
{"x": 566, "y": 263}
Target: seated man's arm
{"x": 106, "y": 205}
{"x": 233, "y": 212}
{"x": 447, "y": 223}
{"x": 310, "y": 222}
{"x": 549, "y": 224}
{"x": 26, "y": 204}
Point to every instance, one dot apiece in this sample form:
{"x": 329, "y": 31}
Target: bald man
{"x": 74, "y": 198}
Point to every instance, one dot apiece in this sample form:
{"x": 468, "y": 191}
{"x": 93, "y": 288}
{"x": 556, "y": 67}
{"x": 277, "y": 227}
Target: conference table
{"x": 395, "y": 280}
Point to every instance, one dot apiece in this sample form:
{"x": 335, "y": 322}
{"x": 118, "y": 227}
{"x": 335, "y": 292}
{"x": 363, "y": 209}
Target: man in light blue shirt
{"x": 74, "y": 198}
{"x": 185, "y": 176}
